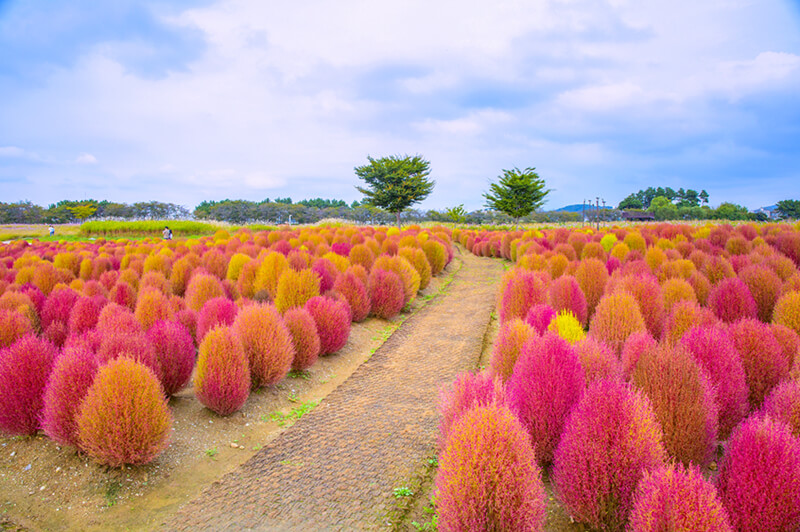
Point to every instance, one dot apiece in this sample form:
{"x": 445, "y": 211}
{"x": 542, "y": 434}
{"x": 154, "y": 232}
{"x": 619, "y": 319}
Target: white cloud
{"x": 86, "y": 158}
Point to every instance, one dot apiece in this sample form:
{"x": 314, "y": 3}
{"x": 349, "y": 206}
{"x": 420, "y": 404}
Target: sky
{"x": 190, "y": 100}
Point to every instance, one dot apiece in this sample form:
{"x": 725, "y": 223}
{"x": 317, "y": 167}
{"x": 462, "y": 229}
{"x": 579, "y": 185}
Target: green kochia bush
{"x": 124, "y": 418}
{"x": 611, "y": 439}
{"x": 488, "y": 478}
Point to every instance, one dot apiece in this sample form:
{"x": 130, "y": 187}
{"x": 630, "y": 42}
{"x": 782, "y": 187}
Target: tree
{"x": 663, "y": 208}
{"x": 731, "y": 211}
{"x": 83, "y": 211}
{"x": 517, "y": 193}
{"x": 395, "y": 183}
{"x": 457, "y": 214}
{"x": 631, "y": 202}
{"x": 788, "y": 209}
{"x": 703, "y": 197}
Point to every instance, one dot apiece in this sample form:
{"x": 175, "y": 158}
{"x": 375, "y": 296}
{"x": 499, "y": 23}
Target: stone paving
{"x": 337, "y": 467}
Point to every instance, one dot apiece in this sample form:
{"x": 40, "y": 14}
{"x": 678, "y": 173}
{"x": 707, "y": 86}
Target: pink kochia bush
{"x": 597, "y": 360}
{"x": 759, "y": 477}
{"x": 353, "y": 290}
{"x": 783, "y": 404}
{"x": 305, "y": 338}
{"x": 73, "y": 374}
{"x": 714, "y": 351}
{"x": 386, "y": 293}
{"x": 222, "y": 379}
{"x": 266, "y": 342}
{"x": 174, "y": 349}
{"x": 762, "y": 356}
{"x": 683, "y": 400}
{"x": 565, "y": 294}
{"x": 507, "y": 346}
{"x": 611, "y": 439}
{"x": 488, "y": 478}
{"x": 124, "y": 417}
{"x": 469, "y": 390}
{"x": 671, "y": 498}
{"x": 547, "y": 381}
{"x": 216, "y": 311}
{"x": 539, "y": 317}
{"x": 731, "y": 300}
{"x": 333, "y": 323}
{"x": 521, "y": 289}
{"x": 24, "y": 369}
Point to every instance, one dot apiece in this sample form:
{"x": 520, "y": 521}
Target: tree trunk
{"x": 397, "y": 214}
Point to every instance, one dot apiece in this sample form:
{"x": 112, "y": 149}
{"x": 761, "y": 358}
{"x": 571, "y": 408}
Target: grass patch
{"x": 287, "y": 420}
{"x": 112, "y": 493}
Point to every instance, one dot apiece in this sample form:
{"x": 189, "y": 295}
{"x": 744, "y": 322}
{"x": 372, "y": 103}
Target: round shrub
{"x": 684, "y": 316}
{"x": 266, "y": 342}
{"x": 123, "y": 294}
{"x": 58, "y": 306}
{"x": 416, "y": 257}
{"x": 24, "y": 369}
{"x": 405, "y": 270}
{"x": 326, "y": 272}
{"x": 436, "y": 254}
{"x": 267, "y": 274}
{"x": 507, "y": 346}
{"x": 547, "y": 381}
{"x": 222, "y": 379}
{"x": 487, "y": 477}
{"x": 202, "y": 287}
{"x": 124, "y": 417}
{"x": 305, "y": 338}
{"x": 469, "y": 390}
{"x": 295, "y": 288}
{"x": 610, "y": 441}
{"x": 758, "y": 476}
{"x": 174, "y": 349}
{"x": 730, "y": 300}
{"x": 764, "y": 286}
{"x": 634, "y": 347}
{"x": 647, "y": 293}
{"x": 762, "y": 358}
{"x": 14, "y": 326}
{"x": 671, "y": 498}
{"x": 115, "y": 318}
{"x": 567, "y": 327}
{"x": 683, "y": 401}
{"x": 783, "y": 404}
{"x": 362, "y": 255}
{"x": 386, "y": 293}
{"x": 520, "y": 290}
{"x": 72, "y": 375}
{"x": 675, "y": 290}
{"x": 333, "y": 323}
{"x": 787, "y": 311}
{"x": 539, "y": 317}
{"x": 713, "y": 349}
{"x": 617, "y": 317}
{"x": 701, "y": 286}
{"x": 788, "y": 340}
{"x": 216, "y": 311}
{"x": 152, "y": 306}
{"x": 597, "y": 360}
{"x": 592, "y": 277}
{"x": 85, "y": 313}
{"x": 353, "y": 290}
{"x": 566, "y": 294}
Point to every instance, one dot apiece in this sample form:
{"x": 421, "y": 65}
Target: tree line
{"x": 68, "y": 211}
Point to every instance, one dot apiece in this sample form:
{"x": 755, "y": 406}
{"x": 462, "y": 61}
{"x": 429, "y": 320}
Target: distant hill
{"x": 578, "y": 207}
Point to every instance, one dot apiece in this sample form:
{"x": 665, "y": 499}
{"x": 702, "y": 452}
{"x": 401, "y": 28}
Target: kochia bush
{"x": 671, "y": 498}
{"x": 507, "y": 346}
{"x": 222, "y": 379}
{"x": 783, "y": 404}
{"x": 787, "y": 311}
{"x": 592, "y": 277}
{"x": 762, "y": 358}
{"x": 547, "y": 381}
{"x": 386, "y": 293}
{"x": 124, "y": 417}
{"x": 405, "y": 270}
{"x": 520, "y": 290}
{"x": 203, "y": 287}
{"x": 303, "y": 328}
{"x": 617, "y": 317}
{"x": 24, "y": 369}
{"x": 610, "y": 441}
{"x": 758, "y": 477}
{"x": 14, "y": 326}
{"x": 216, "y": 311}
{"x": 350, "y": 286}
{"x": 764, "y": 286}
{"x": 72, "y": 375}
{"x": 730, "y": 299}
{"x": 174, "y": 348}
{"x": 333, "y": 323}
{"x": 266, "y": 342}
{"x": 295, "y": 288}
{"x": 85, "y": 313}
{"x": 566, "y": 294}
{"x": 488, "y": 478}
{"x": 597, "y": 360}
{"x": 469, "y": 390}
{"x": 539, "y": 317}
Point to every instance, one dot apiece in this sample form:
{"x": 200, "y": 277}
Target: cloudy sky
{"x": 186, "y": 100}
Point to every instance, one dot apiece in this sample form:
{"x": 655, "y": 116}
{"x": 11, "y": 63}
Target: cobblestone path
{"x": 337, "y": 467}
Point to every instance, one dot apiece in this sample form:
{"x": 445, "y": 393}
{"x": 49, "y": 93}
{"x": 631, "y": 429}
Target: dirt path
{"x": 338, "y": 466}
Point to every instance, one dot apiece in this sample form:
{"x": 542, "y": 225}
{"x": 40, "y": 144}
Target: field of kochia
{"x": 653, "y": 372}
{"x": 649, "y": 375}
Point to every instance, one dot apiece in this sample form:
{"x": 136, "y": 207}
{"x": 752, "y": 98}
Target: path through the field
{"x": 337, "y": 467}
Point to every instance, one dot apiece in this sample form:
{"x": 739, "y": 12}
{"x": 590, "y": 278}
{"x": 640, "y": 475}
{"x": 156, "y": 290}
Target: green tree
{"x": 517, "y": 193}
{"x": 788, "y": 209}
{"x": 731, "y": 211}
{"x": 83, "y": 211}
{"x": 703, "y": 197}
{"x": 395, "y": 183}
{"x": 631, "y": 202}
{"x": 457, "y": 214}
{"x": 663, "y": 208}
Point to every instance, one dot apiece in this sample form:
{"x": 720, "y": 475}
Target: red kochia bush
{"x": 758, "y": 477}
{"x": 617, "y": 317}
{"x": 124, "y": 418}
{"x": 58, "y": 306}
{"x": 683, "y": 400}
{"x": 326, "y": 272}
{"x": 611, "y": 439}
{"x": 174, "y": 349}
{"x": 353, "y": 290}
{"x": 764, "y": 286}
{"x": 333, "y": 323}
{"x": 671, "y": 498}
{"x": 488, "y": 478}
{"x": 217, "y": 311}
{"x": 222, "y": 379}
{"x": 13, "y": 326}
{"x": 762, "y": 358}
{"x": 547, "y": 381}
{"x": 566, "y": 294}
{"x": 303, "y": 328}
{"x": 134, "y": 345}
{"x": 507, "y": 347}
{"x": 539, "y": 317}
{"x": 386, "y": 293}
{"x": 73, "y": 374}
{"x": 266, "y": 342}
{"x": 730, "y": 299}
{"x": 783, "y": 404}
{"x": 469, "y": 390}
{"x": 598, "y": 360}
{"x": 85, "y": 313}
{"x": 520, "y": 290}
{"x": 24, "y": 369}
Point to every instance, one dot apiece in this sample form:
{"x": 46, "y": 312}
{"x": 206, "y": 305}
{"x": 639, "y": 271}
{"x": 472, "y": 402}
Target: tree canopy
{"x": 517, "y": 193}
{"x": 395, "y": 183}
{"x": 788, "y": 209}
{"x": 681, "y": 198}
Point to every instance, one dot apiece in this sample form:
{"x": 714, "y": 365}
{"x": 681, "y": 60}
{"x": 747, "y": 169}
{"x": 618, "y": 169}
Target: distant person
{"x": 51, "y": 230}
{"x": 167, "y": 232}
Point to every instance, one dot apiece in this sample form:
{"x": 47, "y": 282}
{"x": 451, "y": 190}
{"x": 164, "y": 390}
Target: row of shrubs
{"x": 96, "y": 337}
{"x": 653, "y": 372}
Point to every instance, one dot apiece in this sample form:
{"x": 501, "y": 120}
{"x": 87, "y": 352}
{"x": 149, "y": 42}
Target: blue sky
{"x": 187, "y": 100}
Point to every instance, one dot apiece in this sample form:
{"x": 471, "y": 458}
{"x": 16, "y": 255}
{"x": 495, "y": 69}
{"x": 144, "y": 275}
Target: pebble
{"x": 235, "y": 445}
{"x": 13, "y": 453}
{"x": 27, "y": 467}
